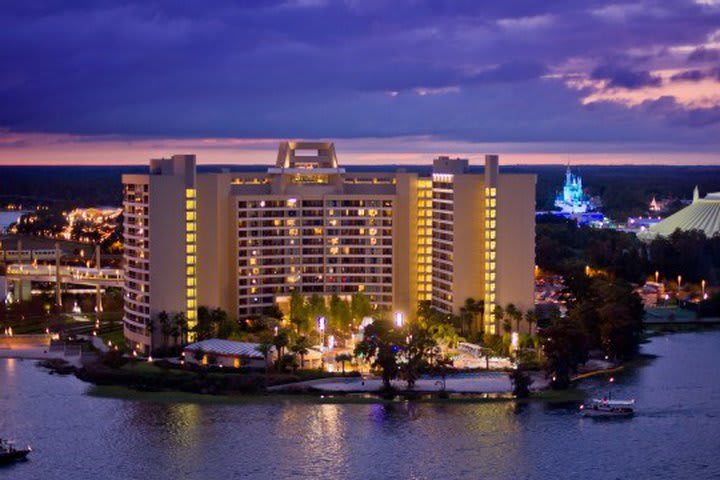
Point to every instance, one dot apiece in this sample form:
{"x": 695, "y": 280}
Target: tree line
{"x": 603, "y": 314}
{"x": 563, "y": 247}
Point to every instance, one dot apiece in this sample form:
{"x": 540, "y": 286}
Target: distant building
{"x": 573, "y": 199}
{"x": 702, "y": 214}
{"x": 584, "y": 219}
{"x": 651, "y": 293}
{"x": 654, "y": 205}
{"x": 98, "y": 223}
{"x": 246, "y": 241}
{"x": 640, "y": 224}
{"x": 574, "y": 204}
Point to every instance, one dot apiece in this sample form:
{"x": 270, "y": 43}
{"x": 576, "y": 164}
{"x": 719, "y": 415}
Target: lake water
{"x": 676, "y": 433}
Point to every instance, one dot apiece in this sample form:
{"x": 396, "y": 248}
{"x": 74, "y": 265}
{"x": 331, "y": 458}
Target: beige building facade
{"x": 160, "y": 232}
{"x": 246, "y": 241}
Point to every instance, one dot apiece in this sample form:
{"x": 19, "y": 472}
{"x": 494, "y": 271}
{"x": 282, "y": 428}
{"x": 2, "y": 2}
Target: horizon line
{"x": 398, "y": 165}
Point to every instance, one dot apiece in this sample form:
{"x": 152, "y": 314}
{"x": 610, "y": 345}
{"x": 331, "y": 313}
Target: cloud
{"x": 510, "y": 72}
{"x": 625, "y": 78}
{"x": 689, "y": 76}
{"x": 462, "y": 70}
{"x": 422, "y": 91}
{"x": 677, "y": 115}
{"x": 527, "y": 23}
{"x": 703, "y": 54}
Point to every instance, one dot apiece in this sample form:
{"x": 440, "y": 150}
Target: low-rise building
{"x": 226, "y": 353}
{"x": 703, "y": 214}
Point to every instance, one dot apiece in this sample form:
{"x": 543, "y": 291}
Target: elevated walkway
{"x": 103, "y": 277}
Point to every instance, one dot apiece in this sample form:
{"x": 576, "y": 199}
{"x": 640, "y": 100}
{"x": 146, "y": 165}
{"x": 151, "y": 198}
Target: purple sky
{"x": 566, "y": 80}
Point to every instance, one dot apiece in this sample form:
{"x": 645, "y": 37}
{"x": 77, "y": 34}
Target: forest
{"x": 624, "y": 190}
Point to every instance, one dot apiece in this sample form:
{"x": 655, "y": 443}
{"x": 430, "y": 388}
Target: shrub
{"x": 521, "y": 382}
{"x": 114, "y": 359}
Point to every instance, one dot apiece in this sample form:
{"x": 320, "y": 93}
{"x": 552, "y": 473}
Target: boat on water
{"x": 10, "y": 453}
{"x": 608, "y": 408}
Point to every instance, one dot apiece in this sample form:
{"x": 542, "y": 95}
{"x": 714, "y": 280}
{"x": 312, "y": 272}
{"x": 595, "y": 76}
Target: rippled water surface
{"x": 676, "y": 433}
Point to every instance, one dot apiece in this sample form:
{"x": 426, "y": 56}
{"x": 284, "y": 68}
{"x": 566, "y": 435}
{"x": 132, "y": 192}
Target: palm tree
{"x": 531, "y": 318}
{"x": 445, "y": 334}
{"x": 342, "y": 358}
{"x": 467, "y": 315}
{"x": 165, "y": 326}
{"x": 180, "y": 327}
{"x": 499, "y": 315}
{"x": 478, "y": 308}
{"x": 150, "y": 328}
{"x": 266, "y": 349}
{"x": 301, "y": 347}
{"x": 222, "y": 325}
{"x": 514, "y": 314}
{"x": 298, "y": 311}
{"x": 204, "y": 327}
{"x": 281, "y": 340}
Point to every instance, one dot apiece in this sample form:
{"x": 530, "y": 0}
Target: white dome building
{"x": 702, "y": 214}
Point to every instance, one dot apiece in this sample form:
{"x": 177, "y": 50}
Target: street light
{"x": 321, "y": 327}
{"x": 399, "y": 319}
{"x": 515, "y": 341}
{"x": 702, "y": 286}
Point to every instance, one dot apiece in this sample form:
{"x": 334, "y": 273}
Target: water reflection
{"x": 10, "y": 368}
{"x": 674, "y": 434}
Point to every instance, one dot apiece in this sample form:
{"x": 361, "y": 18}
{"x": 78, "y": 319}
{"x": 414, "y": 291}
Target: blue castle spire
{"x": 572, "y": 199}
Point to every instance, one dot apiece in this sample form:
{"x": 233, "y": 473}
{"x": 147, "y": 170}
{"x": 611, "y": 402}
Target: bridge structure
{"x": 103, "y": 277}
{"x": 29, "y": 256}
{"x": 21, "y": 275}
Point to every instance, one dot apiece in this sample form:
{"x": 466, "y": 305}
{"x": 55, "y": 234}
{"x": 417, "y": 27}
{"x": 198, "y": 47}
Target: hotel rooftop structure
{"x": 245, "y": 241}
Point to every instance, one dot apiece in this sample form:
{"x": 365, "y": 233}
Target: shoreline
{"x": 40, "y": 354}
{"x": 150, "y": 382}
{"x": 321, "y": 390}
{"x": 571, "y": 395}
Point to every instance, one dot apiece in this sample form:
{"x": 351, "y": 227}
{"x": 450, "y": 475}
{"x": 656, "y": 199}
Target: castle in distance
{"x": 573, "y": 199}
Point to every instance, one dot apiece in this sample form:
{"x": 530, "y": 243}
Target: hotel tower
{"x": 244, "y": 241}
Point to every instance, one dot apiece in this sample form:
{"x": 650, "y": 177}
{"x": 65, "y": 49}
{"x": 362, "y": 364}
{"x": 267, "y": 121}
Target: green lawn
{"x": 144, "y": 367}
{"x": 116, "y": 336}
